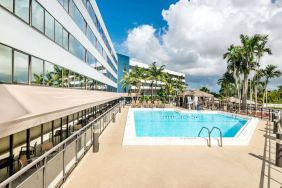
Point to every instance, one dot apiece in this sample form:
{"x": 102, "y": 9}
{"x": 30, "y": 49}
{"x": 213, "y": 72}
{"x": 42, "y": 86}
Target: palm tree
{"x": 127, "y": 81}
{"x": 245, "y": 58}
{"x": 269, "y": 72}
{"x": 256, "y": 83}
{"x": 227, "y": 85}
{"x": 154, "y": 73}
{"x": 205, "y": 89}
{"x": 37, "y": 79}
{"x": 138, "y": 75}
{"x": 234, "y": 68}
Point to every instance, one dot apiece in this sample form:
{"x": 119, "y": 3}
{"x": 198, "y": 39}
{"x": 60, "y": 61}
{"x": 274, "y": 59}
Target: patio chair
{"x": 151, "y": 105}
{"x": 158, "y": 104}
{"x": 23, "y": 161}
{"x": 77, "y": 127}
{"x": 32, "y": 150}
{"x": 46, "y": 146}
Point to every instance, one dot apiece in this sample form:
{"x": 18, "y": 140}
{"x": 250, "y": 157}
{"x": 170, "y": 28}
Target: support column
{"x": 11, "y": 155}
{"x": 28, "y": 143}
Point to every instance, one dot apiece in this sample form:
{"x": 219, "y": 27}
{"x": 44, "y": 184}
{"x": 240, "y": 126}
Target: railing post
{"x": 114, "y": 117}
{"x": 44, "y": 172}
{"x": 278, "y": 161}
{"x": 76, "y": 149}
{"x": 261, "y": 113}
{"x": 64, "y": 168}
{"x": 95, "y": 142}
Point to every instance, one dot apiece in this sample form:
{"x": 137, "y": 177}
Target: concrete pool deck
{"x": 118, "y": 166}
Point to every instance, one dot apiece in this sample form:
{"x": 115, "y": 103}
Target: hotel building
{"x": 58, "y": 75}
{"x": 127, "y": 64}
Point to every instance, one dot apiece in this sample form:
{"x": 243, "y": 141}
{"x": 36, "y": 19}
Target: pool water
{"x": 177, "y": 124}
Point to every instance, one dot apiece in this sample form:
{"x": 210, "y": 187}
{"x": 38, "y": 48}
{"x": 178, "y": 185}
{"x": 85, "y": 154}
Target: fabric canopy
{"x": 23, "y": 107}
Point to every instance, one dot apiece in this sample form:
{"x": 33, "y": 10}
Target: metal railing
{"x": 53, "y": 167}
{"x": 220, "y": 135}
{"x": 209, "y": 135}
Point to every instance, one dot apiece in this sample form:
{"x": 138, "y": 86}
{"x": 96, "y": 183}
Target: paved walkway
{"x": 117, "y": 166}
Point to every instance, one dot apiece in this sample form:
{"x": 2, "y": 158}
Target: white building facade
{"x": 146, "y": 84}
{"x": 57, "y": 43}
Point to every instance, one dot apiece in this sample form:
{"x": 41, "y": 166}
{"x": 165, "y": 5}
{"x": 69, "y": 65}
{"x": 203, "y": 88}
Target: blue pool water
{"x": 176, "y": 124}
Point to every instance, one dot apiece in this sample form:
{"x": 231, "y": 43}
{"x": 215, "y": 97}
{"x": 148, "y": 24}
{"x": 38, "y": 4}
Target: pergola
{"x": 191, "y": 98}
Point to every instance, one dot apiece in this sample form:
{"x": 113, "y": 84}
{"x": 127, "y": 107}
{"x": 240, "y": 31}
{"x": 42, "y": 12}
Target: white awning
{"x": 23, "y": 107}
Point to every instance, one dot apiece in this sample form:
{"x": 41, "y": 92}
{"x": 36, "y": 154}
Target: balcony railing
{"x": 53, "y": 167}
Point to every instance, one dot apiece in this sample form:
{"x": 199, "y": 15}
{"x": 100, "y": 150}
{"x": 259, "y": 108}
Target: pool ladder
{"x": 209, "y": 133}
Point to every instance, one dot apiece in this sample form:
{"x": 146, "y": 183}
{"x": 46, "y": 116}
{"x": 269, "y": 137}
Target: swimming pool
{"x": 177, "y": 124}
{"x": 171, "y": 127}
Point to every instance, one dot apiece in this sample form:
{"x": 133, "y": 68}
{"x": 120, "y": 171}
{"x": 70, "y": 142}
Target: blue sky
{"x": 191, "y": 36}
{"x": 123, "y": 15}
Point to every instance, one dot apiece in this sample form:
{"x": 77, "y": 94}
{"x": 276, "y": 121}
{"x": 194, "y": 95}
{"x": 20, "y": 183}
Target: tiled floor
{"x": 120, "y": 166}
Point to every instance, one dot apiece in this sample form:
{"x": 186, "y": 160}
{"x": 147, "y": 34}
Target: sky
{"x": 191, "y": 36}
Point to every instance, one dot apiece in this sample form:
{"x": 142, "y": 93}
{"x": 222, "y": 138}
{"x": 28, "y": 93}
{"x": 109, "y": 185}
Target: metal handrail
{"x": 209, "y": 140}
{"x": 220, "y": 134}
{"x": 45, "y": 155}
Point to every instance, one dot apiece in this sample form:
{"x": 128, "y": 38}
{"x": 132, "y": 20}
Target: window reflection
{"x": 90, "y": 59}
{"x": 37, "y": 16}
{"x": 8, "y": 4}
{"x": 58, "y": 33}
{"x": 65, "y": 39}
{"x": 65, "y": 78}
{"x": 57, "y": 76}
{"x": 76, "y": 15}
{"x": 20, "y": 68}
{"x": 65, "y": 4}
{"x": 76, "y": 48}
{"x": 71, "y": 79}
{"x": 37, "y": 71}
{"x": 49, "y": 25}
{"x": 49, "y": 72}
{"x": 22, "y": 9}
{"x": 5, "y": 64}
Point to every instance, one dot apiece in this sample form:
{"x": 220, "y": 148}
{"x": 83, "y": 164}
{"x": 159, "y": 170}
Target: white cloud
{"x": 198, "y": 32}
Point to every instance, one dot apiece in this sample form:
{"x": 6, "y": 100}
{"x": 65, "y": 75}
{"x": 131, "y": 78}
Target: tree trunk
{"x": 266, "y": 101}
{"x": 264, "y": 92}
{"x": 138, "y": 94}
{"x": 239, "y": 96}
{"x": 245, "y": 92}
{"x": 256, "y": 97}
{"x": 152, "y": 91}
{"x": 251, "y": 97}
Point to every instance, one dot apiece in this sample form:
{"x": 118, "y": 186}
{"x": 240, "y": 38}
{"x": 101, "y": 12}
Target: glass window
{"x": 71, "y": 79}
{"x": 37, "y": 71}
{"x": 20, "y": 68}
{"x": 76, "y": 16}
{"x": 65, "y": 39}
{"x": 91, "y": 60}
{"x": 37, "y": 16}
{"x": 65, "y": 78}
{"x": 91, "y": 13}
{"x": 49, "y": 25}
{"x": 57, "y": 77}
{"x": 65, "y": 4}
{"x": 22, "y": 9}
{"x": 90, "y": 35}
{"x": 5, "y": 64}
{"x": 58, "y": 33}
{"x": 8, "y": 4}
{"x": 76, "y": 48}
{"x": 49, "y": 72}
